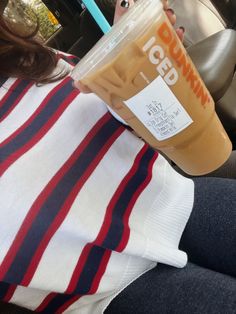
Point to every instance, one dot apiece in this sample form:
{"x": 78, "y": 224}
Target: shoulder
{"x": 22, "y": 100}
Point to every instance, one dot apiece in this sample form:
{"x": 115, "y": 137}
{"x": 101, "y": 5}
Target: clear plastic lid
{"x": 130, "y": 26}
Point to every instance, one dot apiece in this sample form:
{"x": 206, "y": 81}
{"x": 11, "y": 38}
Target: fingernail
{"x": 183, "y": 29}
{"x": 171, "y": 10}
{"x": 124, "y": 4}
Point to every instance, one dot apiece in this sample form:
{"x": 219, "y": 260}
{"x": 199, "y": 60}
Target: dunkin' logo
{"x": 165, "y": 67}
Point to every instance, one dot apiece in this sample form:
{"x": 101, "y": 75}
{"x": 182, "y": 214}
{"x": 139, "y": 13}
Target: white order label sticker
{"x": 159, "y": 110}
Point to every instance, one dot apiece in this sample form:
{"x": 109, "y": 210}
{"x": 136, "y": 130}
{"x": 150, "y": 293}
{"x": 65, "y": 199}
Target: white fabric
{"x": 156, "y": 221}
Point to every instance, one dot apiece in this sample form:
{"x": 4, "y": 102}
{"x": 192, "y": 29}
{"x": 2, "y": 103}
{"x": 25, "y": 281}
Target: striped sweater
{"x": 86, "y": 207}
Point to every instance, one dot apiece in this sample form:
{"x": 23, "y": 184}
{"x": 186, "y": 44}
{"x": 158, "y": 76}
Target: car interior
{"x": 210, "y": 40}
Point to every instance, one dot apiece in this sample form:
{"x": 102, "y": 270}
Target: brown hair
{"x": 24, "y": 57}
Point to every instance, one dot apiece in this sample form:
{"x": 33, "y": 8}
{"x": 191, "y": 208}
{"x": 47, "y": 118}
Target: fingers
{"x": 83, "y": 88}
{"x": 171, "y": 15}
{"x": 165, "y": 4}
{"x": 121, "y": 7}
{"x": 180, "y": 32}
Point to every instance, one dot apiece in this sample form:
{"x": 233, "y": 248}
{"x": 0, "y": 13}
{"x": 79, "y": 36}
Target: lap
{"x": 165, "y": 289}
{"x": 209, "y": 237}
{"x": 203, "y": 286}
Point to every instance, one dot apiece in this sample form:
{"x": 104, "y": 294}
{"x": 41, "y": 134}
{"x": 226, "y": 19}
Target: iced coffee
{"x": 142, "y": 71}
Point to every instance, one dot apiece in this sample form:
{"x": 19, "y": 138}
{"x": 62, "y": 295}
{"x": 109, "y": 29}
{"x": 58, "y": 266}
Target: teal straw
{"x": 97, "y": 15}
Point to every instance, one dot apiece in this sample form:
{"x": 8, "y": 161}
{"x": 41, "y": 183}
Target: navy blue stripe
{"x": 9, "y": 102}
{"x": 3, "y": 80}
{"x": 27, "y": 134}
{"x": 4, "y": 287}
{"x": 54, "y": 202}
{"x": 76, "y": 60}
{"x": 116, "y": 229}
{"x": 94, "y": 260}
{"x": 90, "y": 270}
{"x": 56, "y": 303}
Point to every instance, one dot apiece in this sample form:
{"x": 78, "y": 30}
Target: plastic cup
{"x": 143, "y": 72}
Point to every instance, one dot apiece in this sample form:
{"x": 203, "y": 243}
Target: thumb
{"x": 83, "y": 88}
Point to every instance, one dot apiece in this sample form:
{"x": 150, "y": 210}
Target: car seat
{"x": 203, "y": 18}
{"x": 215, "y": 59}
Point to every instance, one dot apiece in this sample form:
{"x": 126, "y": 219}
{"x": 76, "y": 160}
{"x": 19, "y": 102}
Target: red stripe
{"x": 108, "y": 217}
{"x": 104, "y": 229}
{"x": 67, "y": 58}
{"x": 9, "y": 92}
{"x": 95, "y": 284}
{"x": 44, "y": 195}
{"x": 67, "y": 304}
{"x": 105, "y": 226}
{"x": 10, "y": 293}
{"x": 72, "y": 57}
{"x": 45, "y": 302}
{"x": 100, "y": 272}
{"x": 126, "y": 233}
{"x": 24, "y": 91}
{"x": 34, "y": 115}
{"x": 83, "y": 259}
{"x": 125, "y": 237}
{"x": 65, "y": 209}
{"x": 79, "y": 268}
{"x": 45, "y": 128}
